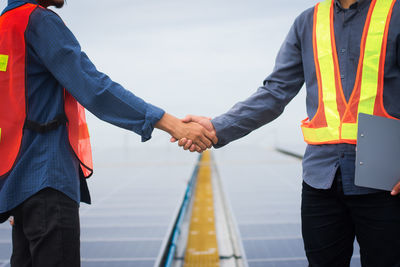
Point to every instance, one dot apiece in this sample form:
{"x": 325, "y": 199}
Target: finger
{"x": 192, "y": 148}
{"x": 212, "y": 136}
{"x": 182, "y": 141}
{"x": 215, "y": 140}
{"x": 173, "y": 140}
{"x": 199, "y": 149}
{"x": 395, "y": 190}
{"x": 199, "y": 143}
{"x": 208, "y": 142}
{"x": 203, "y": 139}
{"x": 188, "y": 144}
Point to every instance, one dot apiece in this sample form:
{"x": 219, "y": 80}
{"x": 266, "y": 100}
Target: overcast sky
{"x": 197, "y": 57}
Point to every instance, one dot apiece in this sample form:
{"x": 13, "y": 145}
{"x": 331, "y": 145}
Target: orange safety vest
{"x": 336, "y": 119}
{"x": 13, "y": 104}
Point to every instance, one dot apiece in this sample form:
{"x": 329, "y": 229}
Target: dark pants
{"x": 46, "y": 231}
{"x": 331, "y": 221}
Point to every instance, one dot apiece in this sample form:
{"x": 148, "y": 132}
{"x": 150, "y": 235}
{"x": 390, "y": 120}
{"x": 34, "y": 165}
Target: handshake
{"x": 193, "y": 133}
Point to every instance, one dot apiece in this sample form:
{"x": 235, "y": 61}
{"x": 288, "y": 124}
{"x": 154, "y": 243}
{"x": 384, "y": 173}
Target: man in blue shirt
{"x": 334, "y": 210}
{"x": 43, "y": 189}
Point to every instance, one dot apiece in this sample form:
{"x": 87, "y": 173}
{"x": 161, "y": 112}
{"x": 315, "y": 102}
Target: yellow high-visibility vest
{"x": 336, "y": 119}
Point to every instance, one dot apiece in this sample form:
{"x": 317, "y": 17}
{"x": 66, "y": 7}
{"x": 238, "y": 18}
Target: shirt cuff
{"x": 219, "y": 126}
{"x": 153, "y": 115}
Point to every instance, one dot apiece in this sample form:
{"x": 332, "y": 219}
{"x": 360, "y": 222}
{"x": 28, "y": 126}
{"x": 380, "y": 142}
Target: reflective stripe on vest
{"x": 13, "y": 25}
{"x": 336, "y": 119}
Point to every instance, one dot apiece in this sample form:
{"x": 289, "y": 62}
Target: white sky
{"x": 197, "y": 57}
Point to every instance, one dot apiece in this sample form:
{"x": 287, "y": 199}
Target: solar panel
{"x": 138, "y": 193}
{"x": 264, "y": 189}
{"x": 5, "y": 251}
{"x": 270, "y": 231}
{"x": 279, "y": 263}
{"x": 278, "y": 248}
{"x": 117, "y": 263}
{"x": 135, "y": 196}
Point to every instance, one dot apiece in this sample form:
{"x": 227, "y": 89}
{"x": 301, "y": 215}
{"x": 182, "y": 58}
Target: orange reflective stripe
{"x": 379, "y": 108}
{"x": 326, "y": 64}
{"x": 319, "y": 117}
{"x": 325, "y": 124}
{"x": 374, "y": 42}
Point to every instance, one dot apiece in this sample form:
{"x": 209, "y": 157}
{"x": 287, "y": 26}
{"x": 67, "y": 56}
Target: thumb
{"x": 173, "y": 140}
{"x": 395, "y": 189}
{"x": 188, "y": 118}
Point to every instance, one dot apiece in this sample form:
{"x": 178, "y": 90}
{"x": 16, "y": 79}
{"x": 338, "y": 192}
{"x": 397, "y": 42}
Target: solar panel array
{"x": 135, "y": 196}
{"x": 264, "y": 189}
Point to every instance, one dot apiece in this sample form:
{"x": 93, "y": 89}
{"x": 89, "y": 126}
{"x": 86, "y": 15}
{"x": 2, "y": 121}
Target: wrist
{"x": 168, "y": 123}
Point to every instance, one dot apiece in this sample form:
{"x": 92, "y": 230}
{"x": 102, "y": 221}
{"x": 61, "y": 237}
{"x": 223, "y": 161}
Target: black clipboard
{"x": 378, "y": 152}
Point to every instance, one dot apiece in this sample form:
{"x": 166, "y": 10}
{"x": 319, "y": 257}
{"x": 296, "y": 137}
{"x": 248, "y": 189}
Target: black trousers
{"x": 46, "y": 231}
{"x": 331, "y": 221}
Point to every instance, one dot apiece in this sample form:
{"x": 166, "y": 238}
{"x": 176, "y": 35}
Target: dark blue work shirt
{"x": 55, "y": 61}
{"x": 294, "y": 66}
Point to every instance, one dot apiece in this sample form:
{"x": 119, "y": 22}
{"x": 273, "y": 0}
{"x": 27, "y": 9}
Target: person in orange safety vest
{"x": 46, "y": 82}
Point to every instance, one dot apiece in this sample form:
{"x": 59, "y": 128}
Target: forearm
{"x": 244, "y": 117}
{"x": 112, "y": 103}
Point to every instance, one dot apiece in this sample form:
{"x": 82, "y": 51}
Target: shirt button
{"x": 343, "y": 50}
{"x": 342, "y": 155}
{"x": 342, "y": 76}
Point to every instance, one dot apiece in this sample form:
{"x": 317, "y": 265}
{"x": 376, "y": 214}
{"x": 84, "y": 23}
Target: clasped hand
{"x": 193, "y": 132}
{"x": 190, "y": 144}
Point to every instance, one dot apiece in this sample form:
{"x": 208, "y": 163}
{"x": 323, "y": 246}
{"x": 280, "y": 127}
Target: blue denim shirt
{"x": 294, "y": 66}
{"x": 55, "y": 61}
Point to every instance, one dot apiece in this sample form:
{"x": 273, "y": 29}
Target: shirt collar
{"x": 10, "y": 2}
{"x": 16, "y": 3}
{"x": 360, "y": 4}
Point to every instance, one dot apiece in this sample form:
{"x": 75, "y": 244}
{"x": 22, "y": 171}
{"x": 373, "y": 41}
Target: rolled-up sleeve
{"x": 269, "y": 101}
{"x": 61, "y": 54}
